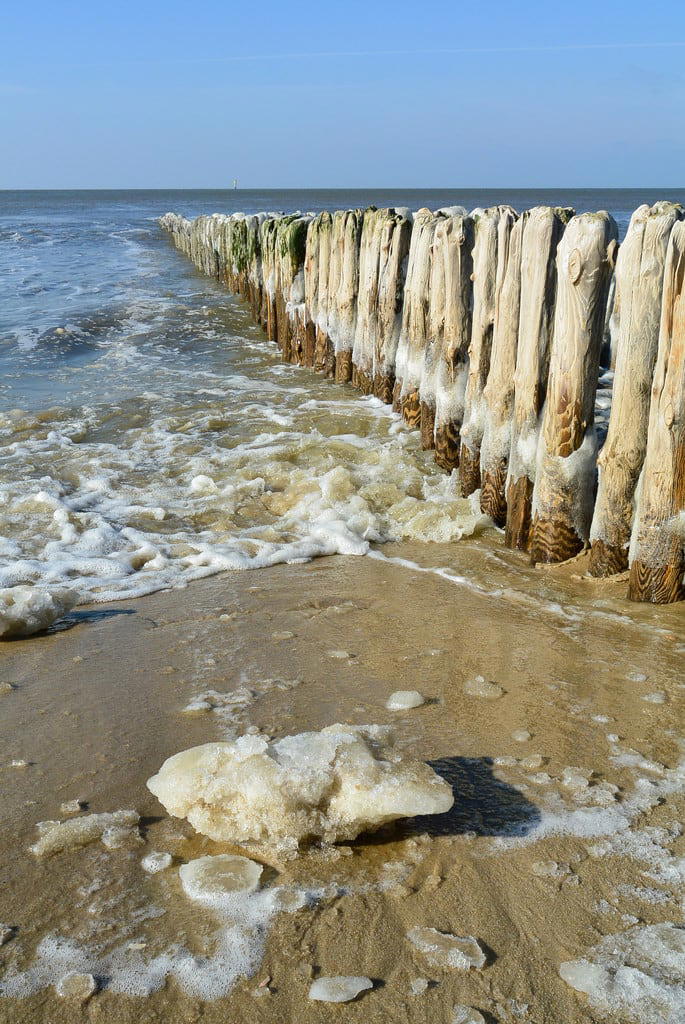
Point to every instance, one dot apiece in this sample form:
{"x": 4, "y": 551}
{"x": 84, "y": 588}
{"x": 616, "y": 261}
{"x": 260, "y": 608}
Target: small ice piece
{"x": 418, "y": 986}
{"x": 658, "y": 697}
{"x": 155, "y": 861}
{"x": 584, "y": 976}
{"x": 28, "y": 610}
{"x": 5, "y": 688}
{"x": 532, "y": 761}
{"x": 479, "y": 687}
{"x": 283, "y": 634}
{"x": 19, "y": 762}
{"x": 521, "y": 735}
{"x": 339, "y": 989}
{"x": 466, "y": 1015}
{"x": 576, "y": 778}
{"x": 76, "y": 986}
{"x": 211, "y": 879}
{"x": 71, "y": 807}
{"x": 196, "y": 707}
{"x": 442, "y": 949}
{"x": 403, "y": 700}
{"x": 332, "y": 785}
{"x": 6, "y": 933}
{"x": 338, "y": 654}
{"x": 550, "y": 869}
{"x": 116, "y": 837}
{"x": 637, "y": 677}
{"x": 55, "y": 836}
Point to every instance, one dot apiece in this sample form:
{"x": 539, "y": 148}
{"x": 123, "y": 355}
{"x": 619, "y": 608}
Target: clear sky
{"x": 355, "y": 94}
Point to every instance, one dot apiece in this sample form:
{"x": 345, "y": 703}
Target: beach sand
{"x": 98, "y": 706}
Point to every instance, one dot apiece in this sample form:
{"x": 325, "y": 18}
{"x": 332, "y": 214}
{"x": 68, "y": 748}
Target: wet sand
{"x": 98, "y": 706}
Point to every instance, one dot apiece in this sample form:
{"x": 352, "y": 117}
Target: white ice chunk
{"x": 76, "y": 986}
{"x": 521, "y": 735}
{"x": 340, "y": 989}
{"x": 418, "y": 986}
{"x": 403, "y": 700}
{"x": 28, "y": 610}
{"x": 211, "y": 878}
{"x": 332, "y": 784}
{"x": 66, "y": 835}
{"x": 479, "y": 687}
{"x": 444, "y": 950}
{"x": 156, "y": 861}
{"x": 466, "y": 1015}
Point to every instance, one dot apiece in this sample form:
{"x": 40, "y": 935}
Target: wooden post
{"x": 657, "y": 548}
{"x": 392, "y": 269}
{"x": 291, "y": 237}
{"x": 267, "y": 239}
{"x": 414, "y": 331}
{"x": 485, "y": 278}
{"x": 562, "y": 496}
{"x": 367, "y": 299}
{"x": 343, "y": 285}
{"x": 498, "y": 394}
{"x": 452, "y": 269}
{"x": 324, "y": 352}
{"x": 311, "y": 288}
{"x": 639, "y": 285}
{"x": 542, "y": 231}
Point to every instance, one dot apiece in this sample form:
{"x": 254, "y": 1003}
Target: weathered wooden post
{"x": 437, "y": 301}
{"x": 542, "y": 231}
{"x": 565, "y": 475}
{"x": 267, "y": 239}
{"x": 291, "y": 238}
{"x": 498, "y": 393}
{"x": 657, "y": 548}
{"x": 452, "y": 268}
{"x": 392, "y": 269}
{"x": 414, "y": 331}
{"x": 324, "y": 352}
{"x": 311, "y": 289}
{"x": 639, "y": 285}
{"x": 367, "y": 299}
{"x": 485, "y": 277}
{"x": 343, "y": 285}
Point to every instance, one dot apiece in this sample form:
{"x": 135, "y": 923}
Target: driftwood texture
{"x": 367, "y": 300}
{"x": 639, "y": 284}
{"x": 562, "y": 497}
{"x": 541, "y": 234}
{"x": 657, "y": 551}
{"x": 486, "y": 277}
{"x": 392, "y": 269}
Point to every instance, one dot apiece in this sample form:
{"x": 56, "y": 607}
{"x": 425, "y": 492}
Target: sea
{"x": 150, "y": 434}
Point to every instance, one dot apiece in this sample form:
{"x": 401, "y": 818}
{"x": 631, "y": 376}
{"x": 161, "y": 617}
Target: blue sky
{"x": 422, "y": 94}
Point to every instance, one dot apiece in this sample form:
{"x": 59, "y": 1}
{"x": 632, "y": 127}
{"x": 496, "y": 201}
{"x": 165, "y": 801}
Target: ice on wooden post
{"x": 639, "y": 285}
{"x": 291, "y": 236}
{"x": 311, "y": 273}
{"x": 392, "y": 268}
{"x": 451, "y": 272}
{"x": 542, "y": 231}
{"x": 657, "y": 546}
{"x": 498, "y": 394}
{"x": 565, "y": 473}
{"x": 414, "y": 331}
{"x": 333, "y": 785}
{"x": 489, "y": 239}
{"x": 267, "y": 243}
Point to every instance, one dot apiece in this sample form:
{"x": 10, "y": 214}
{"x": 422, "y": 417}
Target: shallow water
{"x": 150, "y": 435}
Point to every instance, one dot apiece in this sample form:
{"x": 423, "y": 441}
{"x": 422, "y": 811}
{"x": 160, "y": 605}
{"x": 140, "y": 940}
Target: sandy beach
{"x": 528, "y": 862}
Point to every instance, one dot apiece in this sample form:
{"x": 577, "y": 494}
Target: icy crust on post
{"x": 28, "y": 610}
{"x": 330, "y": 785}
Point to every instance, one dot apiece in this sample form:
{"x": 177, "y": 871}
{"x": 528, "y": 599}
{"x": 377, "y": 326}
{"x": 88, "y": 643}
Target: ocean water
{"x": 150, "y": 435}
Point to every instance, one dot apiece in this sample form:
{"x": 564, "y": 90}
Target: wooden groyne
{"x": 485, "y": 331}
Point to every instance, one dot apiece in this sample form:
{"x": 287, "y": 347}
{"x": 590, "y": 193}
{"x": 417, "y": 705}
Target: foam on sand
{"x": 329, "y": 785}
{"x": 28, "y": 610}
